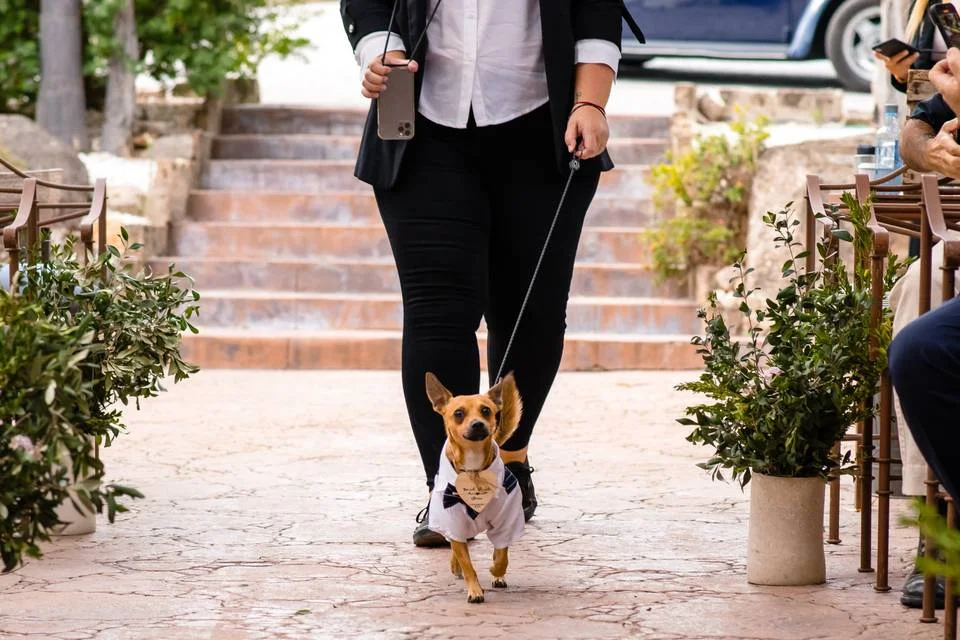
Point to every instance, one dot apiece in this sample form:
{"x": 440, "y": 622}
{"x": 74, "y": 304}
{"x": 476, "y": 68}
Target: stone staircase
{"x": 295, "y": 270}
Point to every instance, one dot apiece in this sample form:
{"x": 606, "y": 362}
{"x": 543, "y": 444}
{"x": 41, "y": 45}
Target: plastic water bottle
{"x": 888, "y": 142}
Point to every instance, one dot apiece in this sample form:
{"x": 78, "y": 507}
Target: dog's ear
{"x": 438, "y": 394}
{"x": 507, "y": 398}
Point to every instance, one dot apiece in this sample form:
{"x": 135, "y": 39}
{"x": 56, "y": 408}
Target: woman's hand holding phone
{"x": 899, "y": 64}
{"x": 376, "y": 73}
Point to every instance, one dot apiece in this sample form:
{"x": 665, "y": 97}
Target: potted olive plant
{"x": 137, "y": 318}
{"x": 783, "y": 396}
{"x": 45, "y": 392}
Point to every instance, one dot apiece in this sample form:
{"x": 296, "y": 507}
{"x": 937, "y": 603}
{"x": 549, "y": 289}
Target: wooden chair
{"x": 824, "y": 212}
{"x": 896, "y": 209}
{"x": 22, "y": 227}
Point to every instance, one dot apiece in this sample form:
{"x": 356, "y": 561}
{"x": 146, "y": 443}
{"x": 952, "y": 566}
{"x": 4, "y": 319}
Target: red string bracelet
{"x": 584, "y": 103}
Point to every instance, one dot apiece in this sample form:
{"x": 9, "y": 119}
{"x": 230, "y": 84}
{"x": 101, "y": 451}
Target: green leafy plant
{"x": 138, "y": 315}
{"x": 46, "y": 388}
{"x": 207, "y": 40}
{"x": 19, "y": 55}
{"x": 709, "y": 186}
{"x": 783, "y": 396}
{"x": 203, "y": 40}
{"x": 79, "y": 341}
{"x": 945, "y": 539}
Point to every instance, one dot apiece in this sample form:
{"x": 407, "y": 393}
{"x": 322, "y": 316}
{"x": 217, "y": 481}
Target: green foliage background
{"x": 204, "y": 40}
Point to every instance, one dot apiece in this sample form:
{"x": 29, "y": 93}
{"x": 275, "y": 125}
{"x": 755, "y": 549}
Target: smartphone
{"x": 396, "y": 113}
{"x": 945, "y": 16}
{"x": 893, "y": 47}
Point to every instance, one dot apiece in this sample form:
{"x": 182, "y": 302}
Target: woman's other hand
{"x": 588, "y": 124}
{"x": 376, "y": 73}
{"x": 898, "y": 65}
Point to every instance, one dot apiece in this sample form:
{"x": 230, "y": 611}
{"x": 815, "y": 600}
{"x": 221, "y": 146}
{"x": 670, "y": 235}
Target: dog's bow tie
{"x": 452, "y": 498}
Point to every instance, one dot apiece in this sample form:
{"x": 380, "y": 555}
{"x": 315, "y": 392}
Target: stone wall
{"x": 781, "y": 177}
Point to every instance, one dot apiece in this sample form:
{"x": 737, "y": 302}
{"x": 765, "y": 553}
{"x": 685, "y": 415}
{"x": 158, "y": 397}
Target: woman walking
{"x": 506, "y": 91}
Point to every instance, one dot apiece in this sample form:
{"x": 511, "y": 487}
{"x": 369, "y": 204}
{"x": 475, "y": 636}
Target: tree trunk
{"x": 119, "y": 111}
{"x": 61, "y": 105}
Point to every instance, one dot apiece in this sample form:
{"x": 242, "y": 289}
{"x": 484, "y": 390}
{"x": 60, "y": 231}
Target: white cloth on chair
{"x": 905, "y": 303}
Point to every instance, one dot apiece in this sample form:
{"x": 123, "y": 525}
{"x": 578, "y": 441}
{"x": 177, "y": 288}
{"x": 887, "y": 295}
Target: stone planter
{"x": 785, "y": 542}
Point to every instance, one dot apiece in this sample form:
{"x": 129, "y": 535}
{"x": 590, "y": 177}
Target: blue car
{"x": 842, "y": 30}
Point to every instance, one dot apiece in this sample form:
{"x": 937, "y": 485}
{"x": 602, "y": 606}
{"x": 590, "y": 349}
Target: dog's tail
{"x": 507, "y": 397}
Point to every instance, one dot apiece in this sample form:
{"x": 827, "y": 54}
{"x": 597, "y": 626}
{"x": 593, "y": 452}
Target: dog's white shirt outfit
{"x": 502, "y": 518}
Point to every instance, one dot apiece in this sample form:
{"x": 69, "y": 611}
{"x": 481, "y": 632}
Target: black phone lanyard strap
{"x": 419, "y": 42}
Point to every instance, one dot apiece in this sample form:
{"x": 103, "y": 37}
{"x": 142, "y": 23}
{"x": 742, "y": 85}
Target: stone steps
{"x": 341, "y": 275}
{"x": 287, "y": 311}
{"x": 300, "y": 120}
{"x": 269, "y": 349}
{"x": 346, "y": 207}
{"x": 322, "y": 176}
{"x": 295, "y": 270}
{"x": 344, "y": 147}
{"x": 263, "y": 241}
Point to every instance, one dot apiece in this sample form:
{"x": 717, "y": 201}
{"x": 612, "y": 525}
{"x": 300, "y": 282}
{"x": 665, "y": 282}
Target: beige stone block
{"x": 805, "y": 105}
{"x": 685, "y": 96}
{"x": 166, "y": 201}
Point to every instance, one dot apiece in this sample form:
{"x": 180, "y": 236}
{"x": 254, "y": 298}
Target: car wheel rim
{"x": 860, "y": 35}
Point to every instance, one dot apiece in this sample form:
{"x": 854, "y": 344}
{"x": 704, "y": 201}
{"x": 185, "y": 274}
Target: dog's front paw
{"x": 499, "y": 582}
{"x": 475, "y": 597}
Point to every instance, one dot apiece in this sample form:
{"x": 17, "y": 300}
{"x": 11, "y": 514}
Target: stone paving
{"x": 280, "y": 505}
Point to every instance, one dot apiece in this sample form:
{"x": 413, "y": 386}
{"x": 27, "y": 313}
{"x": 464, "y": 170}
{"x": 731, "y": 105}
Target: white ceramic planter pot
{"x": 76, "y": 522}
{"x": 785, "y": 542}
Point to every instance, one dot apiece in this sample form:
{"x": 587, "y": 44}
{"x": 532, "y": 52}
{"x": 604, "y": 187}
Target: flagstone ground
{"x": 280, "y": 505}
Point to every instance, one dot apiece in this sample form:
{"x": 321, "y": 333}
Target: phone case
{"x": 945, "y": 16}
{"x": 396, "y": 114}
{"x": 894, "y": 47}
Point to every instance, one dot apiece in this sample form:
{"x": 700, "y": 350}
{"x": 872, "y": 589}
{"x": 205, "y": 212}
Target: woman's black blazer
{"x": 564, "y": 22}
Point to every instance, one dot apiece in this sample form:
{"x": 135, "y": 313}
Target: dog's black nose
{"x": 478, "y": 430}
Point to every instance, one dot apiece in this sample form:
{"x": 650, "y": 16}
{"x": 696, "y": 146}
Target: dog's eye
{"x": 459, "y": 414}
{"x": 485, "y": 412}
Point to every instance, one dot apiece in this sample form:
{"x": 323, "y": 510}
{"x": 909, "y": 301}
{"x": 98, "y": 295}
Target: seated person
{"x": 925, "y": 369}
{"x": 928, "y": 144}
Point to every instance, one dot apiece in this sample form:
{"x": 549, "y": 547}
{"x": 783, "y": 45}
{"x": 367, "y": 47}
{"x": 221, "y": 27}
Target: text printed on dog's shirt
{"x": 502, "y": 518}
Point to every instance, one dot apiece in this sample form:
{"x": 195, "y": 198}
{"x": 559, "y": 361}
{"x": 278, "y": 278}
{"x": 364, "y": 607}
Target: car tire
{"x": 854, "y": 28}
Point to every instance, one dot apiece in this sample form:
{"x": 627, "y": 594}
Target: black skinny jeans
{"x": 466, "y": 220}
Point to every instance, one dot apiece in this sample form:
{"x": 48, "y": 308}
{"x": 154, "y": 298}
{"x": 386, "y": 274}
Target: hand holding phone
{"x": 376, "y": 74}
{"x": 893, "y": 48}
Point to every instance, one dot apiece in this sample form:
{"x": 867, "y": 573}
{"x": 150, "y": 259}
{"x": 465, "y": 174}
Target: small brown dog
{"x": 473, "y": 490}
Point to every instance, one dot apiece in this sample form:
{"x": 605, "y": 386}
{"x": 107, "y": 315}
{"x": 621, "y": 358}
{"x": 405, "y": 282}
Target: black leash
{"x": 574, "y": 166}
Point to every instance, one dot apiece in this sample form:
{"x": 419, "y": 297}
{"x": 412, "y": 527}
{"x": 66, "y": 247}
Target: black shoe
{"x": 423, "y": 535}
{"x": 912, "y": 594}
{"x": 522, "y": 471}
